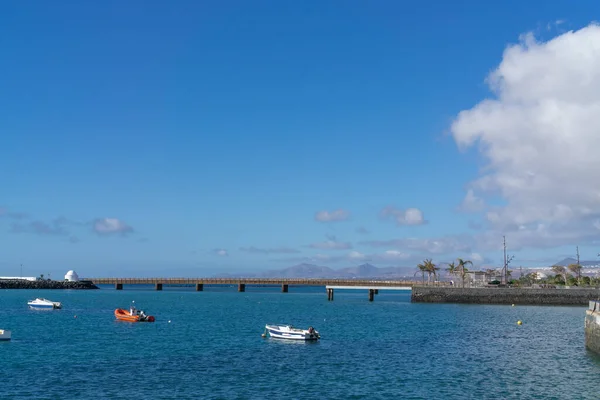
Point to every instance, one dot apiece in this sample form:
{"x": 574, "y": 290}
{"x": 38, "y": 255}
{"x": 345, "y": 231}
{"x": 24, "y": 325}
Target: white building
{"x": 71, "y": 276}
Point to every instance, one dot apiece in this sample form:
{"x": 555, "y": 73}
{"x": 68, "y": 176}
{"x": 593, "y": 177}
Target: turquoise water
{"x": 212, "y": 348}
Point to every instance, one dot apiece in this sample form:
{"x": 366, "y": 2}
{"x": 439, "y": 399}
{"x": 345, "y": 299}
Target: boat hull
{"x": 5, "y": 335}
{"x": 289, "y": 333}
{"x": 123, "y": 315}
{"x": 43, "y": 304}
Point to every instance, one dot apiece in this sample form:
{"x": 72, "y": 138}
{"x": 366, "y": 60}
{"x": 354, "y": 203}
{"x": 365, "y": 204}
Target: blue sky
{"x": 189, "y": 139}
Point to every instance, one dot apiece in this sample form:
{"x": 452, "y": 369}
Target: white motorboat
{"x": 4, "y": 334}
{"x": 44, "y": 304}
{"x": 289, "y": 332}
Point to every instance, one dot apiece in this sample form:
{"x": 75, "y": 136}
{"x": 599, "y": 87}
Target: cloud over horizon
{"x": 331, "y": 244}
{"x": 409, "y": 216}
{"x": 273, "y": 250}
{"x": 539, "y": 137}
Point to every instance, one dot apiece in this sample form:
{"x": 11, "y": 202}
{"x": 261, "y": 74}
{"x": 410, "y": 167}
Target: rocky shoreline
{"x": 45, "y": 284}
{"x": 529, "y": 296}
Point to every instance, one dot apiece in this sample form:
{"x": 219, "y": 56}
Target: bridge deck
{"x": 251, "y": 281}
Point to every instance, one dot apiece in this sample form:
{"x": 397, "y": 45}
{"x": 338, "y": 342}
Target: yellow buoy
{"x": 513, "y": 305}
{"x": 519, "y": 322}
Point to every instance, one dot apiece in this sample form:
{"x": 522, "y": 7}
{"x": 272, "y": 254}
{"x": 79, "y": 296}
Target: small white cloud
{"x": 331, "y": 216}
{"x": 392, "y": 255}
{"x": 331, "y": 244}
{"x": 355, "y": 255}
{"x": 221, "y": 252}
{"x": 108, "y": 226}
{"x": 410, "y": 216}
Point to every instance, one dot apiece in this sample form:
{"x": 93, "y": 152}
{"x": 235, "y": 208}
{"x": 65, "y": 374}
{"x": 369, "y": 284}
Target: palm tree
{"x": 451, "y": 268}
{"x": 560, "y": 270}
{"x": 430, "y": 268}
{"x": 462, "y": 269}
{"x": 576, "y": 269}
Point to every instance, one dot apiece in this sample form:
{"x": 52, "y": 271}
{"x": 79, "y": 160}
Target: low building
{"x": 72, "y": 276}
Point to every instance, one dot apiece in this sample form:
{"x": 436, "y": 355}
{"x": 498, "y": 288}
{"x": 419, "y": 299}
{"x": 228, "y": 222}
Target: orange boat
{"x": 136, "y": 316}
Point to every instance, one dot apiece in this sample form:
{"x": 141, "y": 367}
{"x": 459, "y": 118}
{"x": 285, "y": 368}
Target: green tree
{"x": 575, "y": 269}
{"x": 462, "y": 269}
{"x": 431, "y": 269}
{"x": 452, "y": 269}
{"x": 586, "y": 280}
{"x": 562, "y": 271}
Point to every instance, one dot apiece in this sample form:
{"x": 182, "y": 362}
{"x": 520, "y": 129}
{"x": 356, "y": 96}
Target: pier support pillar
{"x": 199, "y": 287}
{"x": 118, "y": 286}
{"x": 158, "y": 286}
{"x": 371, "y": 294}
{"x": 241, "y": 287}
{"x": 284, "y": 288}
{"x": 330, "y": 294}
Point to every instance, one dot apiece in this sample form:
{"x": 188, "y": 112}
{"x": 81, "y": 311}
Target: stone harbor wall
{"x": 45, "y": 284}
{"x": 493, "y": 295}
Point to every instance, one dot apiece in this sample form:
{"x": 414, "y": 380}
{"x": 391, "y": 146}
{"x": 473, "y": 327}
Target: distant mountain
{"x": 303, "y": 270}
{"x": 569, "y": 260}
{"x": 362, "y": 271}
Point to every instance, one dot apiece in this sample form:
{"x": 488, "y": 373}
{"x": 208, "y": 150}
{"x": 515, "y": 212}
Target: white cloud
{"x": 442, "y": 245}
{"x": 540, "y": 137}
{"x": 410, "y": 216}
{"x": 393, "y": 255}
{"x": 221, "y": 252}
{"x": 331, "y": 244}
{"x": 331, "y": 216}
{"x": 108, "y": 226}
{"x": 356, "y": 255}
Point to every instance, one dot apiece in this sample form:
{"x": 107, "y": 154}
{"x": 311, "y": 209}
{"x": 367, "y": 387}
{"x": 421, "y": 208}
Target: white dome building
{"x": 71, "y": 276}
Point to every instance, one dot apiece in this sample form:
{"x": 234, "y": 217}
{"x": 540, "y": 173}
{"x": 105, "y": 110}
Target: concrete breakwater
{"x": 45, "y": 284}
{"x": 592, "y": 327}
{"x": 557, "y": 297}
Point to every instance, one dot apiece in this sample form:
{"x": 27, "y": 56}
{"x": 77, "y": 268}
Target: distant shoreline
{"x": 45, "y": 284}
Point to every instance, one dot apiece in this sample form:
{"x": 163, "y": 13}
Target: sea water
{"x": 208, "y": 345}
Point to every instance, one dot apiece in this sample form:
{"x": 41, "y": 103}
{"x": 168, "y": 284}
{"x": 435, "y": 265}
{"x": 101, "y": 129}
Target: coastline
{"x": 46, "y": 284}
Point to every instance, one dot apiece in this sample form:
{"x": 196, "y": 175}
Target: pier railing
{"x": 256, "y": 281}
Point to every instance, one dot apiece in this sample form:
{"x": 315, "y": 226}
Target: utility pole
{"x": 504, "y": 280}
{"x": 507, "y": 261}
{"x": 578, "y": 266}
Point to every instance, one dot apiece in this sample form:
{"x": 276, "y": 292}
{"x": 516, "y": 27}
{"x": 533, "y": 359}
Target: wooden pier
{"x": 372, "y": 285}
{"x": 373, "y": 289}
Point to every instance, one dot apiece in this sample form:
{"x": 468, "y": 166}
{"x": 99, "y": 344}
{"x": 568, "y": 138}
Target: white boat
{"x": 289, "y": 332}
{"x": 44, "y": 304}
{"x": 4, "y": 334}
